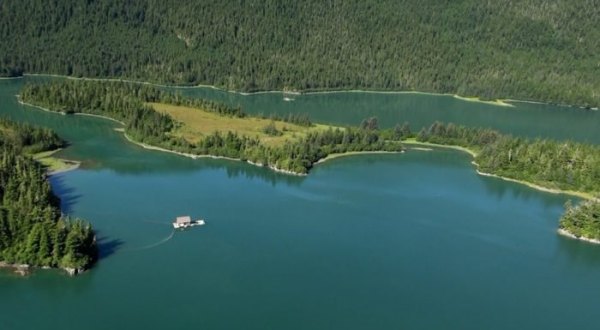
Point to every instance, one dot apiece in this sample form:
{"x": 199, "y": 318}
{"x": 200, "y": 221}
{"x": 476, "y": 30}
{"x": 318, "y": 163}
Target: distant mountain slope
{"x": 531, "y": 49}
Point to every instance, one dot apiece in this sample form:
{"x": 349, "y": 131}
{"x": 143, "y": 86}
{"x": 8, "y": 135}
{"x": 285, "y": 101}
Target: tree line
{"x": 531, "y": 49}
{"x": 562, "y": 165}
{"x": 32, "y": 229}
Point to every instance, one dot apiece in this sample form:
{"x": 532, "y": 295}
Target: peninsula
{"x": 167, "y": 121}
{"x": 33, "y": 232}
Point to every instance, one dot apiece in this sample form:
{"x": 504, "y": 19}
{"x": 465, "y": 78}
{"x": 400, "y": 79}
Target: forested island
{"x": 555, "y": 166}
{"x": 33, "y": 232}
{"x": 291, "y": 144}
{"x": 530, "y": 50}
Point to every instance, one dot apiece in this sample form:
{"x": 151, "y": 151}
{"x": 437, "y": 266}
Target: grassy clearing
{"x": 198, "y": 123}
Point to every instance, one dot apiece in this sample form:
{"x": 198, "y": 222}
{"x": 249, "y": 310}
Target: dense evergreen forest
{"x": 28, "y": 139}
{"x": 531, "y": 49}
{"x": 32, "y": 229}
{"x": 562, "y": 165}
{"x": 582, "y": 220}
{"x": 127, "y": 102}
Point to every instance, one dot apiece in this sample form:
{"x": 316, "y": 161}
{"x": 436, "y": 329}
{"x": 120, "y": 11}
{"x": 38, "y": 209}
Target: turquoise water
{"x": 415, "y": 240}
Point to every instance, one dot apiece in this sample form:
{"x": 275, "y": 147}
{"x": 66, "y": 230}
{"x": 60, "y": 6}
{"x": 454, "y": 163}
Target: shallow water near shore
{"x": 415, "y": 240}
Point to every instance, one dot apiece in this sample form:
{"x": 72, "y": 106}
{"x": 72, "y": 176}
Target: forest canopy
{"x": 532, "y": 49}
{"x": 583, "y": 220}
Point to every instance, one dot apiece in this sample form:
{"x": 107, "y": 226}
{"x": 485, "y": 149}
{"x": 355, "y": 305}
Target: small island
{"x": 162, "y": 120}
{"x": 33, "y": 232}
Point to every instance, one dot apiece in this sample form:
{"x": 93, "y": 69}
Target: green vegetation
{"x": 32, "y": 229}
{"x": 134, "y": 104}
{"x": 196, "y": 124}
{"x": 565, "y": 166}
{"x": 530, "y": 49}
{"x": 271, "y": 130}
{"x": 582, "y": 221}
{"x": 27, "y": 138}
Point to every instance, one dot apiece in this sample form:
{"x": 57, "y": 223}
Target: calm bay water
{"x": 415, "y": 240}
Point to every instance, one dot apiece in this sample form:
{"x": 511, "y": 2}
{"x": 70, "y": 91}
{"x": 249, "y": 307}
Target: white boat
{"x": 186, "y": 221}
{"x": 288, "y": 99}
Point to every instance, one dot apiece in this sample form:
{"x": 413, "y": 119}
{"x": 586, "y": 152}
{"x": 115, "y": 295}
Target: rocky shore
{"x": 25, "y": 269}
{"x": 566, "y": 233}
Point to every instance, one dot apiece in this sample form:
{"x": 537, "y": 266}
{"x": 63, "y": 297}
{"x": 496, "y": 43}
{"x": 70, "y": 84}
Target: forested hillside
{"x": 32, "y": 229}
{"x": 531, "y": 49}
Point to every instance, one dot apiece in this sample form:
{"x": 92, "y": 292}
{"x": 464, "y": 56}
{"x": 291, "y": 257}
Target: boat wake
{"x": 153, "y": 245}
{"x": 156, "y": 222}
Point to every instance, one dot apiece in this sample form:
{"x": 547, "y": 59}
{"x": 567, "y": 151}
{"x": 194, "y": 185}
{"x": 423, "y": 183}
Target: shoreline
{"x": 26, "y": 269}
{"x": 70, "y": 164}
{"x": 193, "y": 156}
{"x": 21, "y": 102}
{"x": 580, "y": 194}
{"x": 64, "y": 114}
{"x": 567, "y": 233}
{"x": 307, "y": 92}
{"x": 473, "y": 154}
{"x": 421, "y": 149}
{"x": 497, "y": 102}
{"x": 106, "y": 79}
{"x": 99, "y": 116}
{"x": 271, "y": 167}
{"x": 18, "y": 269}
{"x": 429, "y": 144}
{"x": 353, "y": 153}
{"x": 553, "y": 104}
{"x": 73, "y": 166}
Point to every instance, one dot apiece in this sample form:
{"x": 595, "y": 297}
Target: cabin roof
{"x": 184, "y": 219}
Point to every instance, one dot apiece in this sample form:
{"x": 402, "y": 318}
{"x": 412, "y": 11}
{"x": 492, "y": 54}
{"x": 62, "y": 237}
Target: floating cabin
{"x": 186, "y": 221}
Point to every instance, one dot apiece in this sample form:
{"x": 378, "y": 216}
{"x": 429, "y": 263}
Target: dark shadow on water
{"x": 68, "y": 196}
{"x": 579, "y": 252}
{"x": 153, "y": 162}
{"x": 107, "y": 246}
